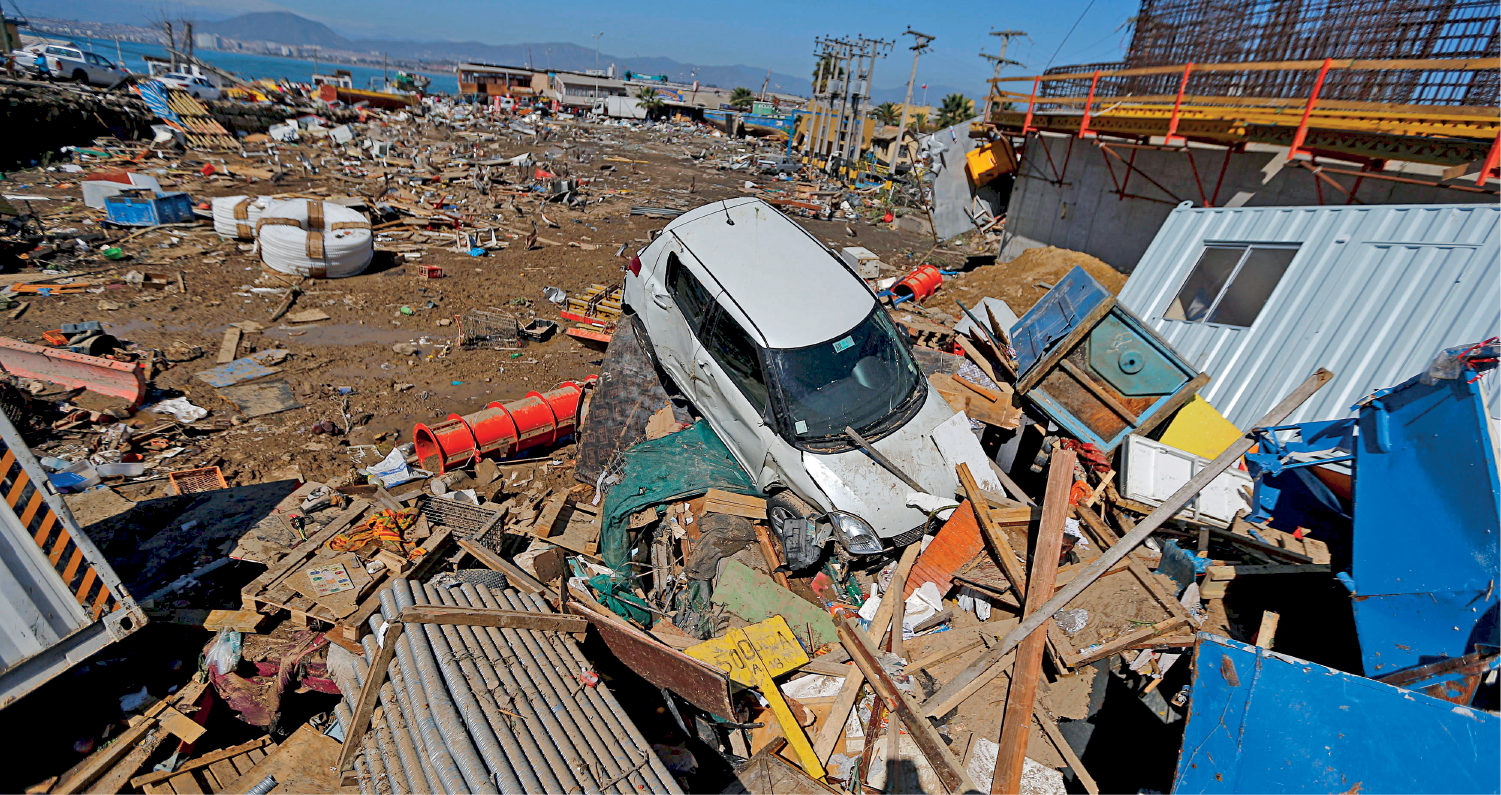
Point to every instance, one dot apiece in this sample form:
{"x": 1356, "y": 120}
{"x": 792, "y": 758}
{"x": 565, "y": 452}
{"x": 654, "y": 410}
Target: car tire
{"x": 80, "y": 76}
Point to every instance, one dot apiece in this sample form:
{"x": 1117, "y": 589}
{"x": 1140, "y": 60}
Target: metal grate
{"x": 464, "y": 521}
{"x": 494, "y": 330}
{"x": 192, "y": 481}
{"x": 910, "y": 537}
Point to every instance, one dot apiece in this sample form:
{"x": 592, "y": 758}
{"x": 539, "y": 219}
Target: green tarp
{"x": 674, "y": 467}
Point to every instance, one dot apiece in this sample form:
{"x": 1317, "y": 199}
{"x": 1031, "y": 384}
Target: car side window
{"x": 734, "y": 350}
{"x": 688, "y": 292}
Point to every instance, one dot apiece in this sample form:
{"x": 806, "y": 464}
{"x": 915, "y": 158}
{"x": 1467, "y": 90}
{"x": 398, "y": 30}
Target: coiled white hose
{"x": 314, "y": 238}
{"x": 235, "y": 216}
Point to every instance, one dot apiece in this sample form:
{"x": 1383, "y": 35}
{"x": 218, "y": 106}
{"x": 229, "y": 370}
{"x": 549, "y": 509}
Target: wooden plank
{"x": 354, "y": 734}
{"x": 930, "y": 660}
{"x": 1022, "y": 697}
{"x": 1268, "y": 629}
{"x": 1148, "y": 580}
{"x": 1232, "y": 572}
{"x": 948, "y": 769}
{"x": 981, "y": 361}
{"x": 181, "y": 725}
{"x": 491, "y": 617}
{"x": 494, "y": 562}
{"x": 186, "y": 783}
{"x": 237, "y": 620}
{"x": 304, "y": 763}
{"x": 1000, "y": 546}
{"x": 720, "y": 501}
{"x": 549, "y": 516}
{"x": 1100, "y": 394}
{"x": 116, "y": 779}
{"x": 985, "y": 392}
{"x": 229, "y": 349}
{"x": 1067, "y": 752}
{"x": 202, "y": 761}
{"x": 1130, "y": 639}
{"x": 769, "y": 552}
{"x": 275, "y": 574}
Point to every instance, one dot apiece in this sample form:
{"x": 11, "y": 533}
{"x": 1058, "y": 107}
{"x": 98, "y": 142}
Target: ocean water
{"x": 252, "y": 67}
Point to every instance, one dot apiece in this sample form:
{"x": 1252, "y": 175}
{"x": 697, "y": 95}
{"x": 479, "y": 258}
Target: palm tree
{"x": 920, "y": 119}
{"x": 649, "y": 101}
{"x": 954, "y": 109}
{"x": 742, "y": 98}
{"x": 886, "y": 113}
{"x": 835, "y": 72}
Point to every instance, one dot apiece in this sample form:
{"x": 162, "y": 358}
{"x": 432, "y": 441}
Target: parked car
{"x": 73, "y": 64}
{"x": 780, "y": 346}
{"x": 197, "y": 86}
{"x": 777, "y": 165}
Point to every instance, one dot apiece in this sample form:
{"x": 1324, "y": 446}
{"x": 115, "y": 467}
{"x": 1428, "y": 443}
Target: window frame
{"x": 709, "y": 303}
{"x": 1246, "y": 247}
{"x": 713, "y": 318}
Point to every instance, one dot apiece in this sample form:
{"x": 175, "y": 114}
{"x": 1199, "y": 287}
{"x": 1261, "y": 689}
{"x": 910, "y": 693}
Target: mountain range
{"x": 291, "y": 29}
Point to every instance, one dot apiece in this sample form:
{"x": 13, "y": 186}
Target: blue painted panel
{"x": 1265, "y": 722}
{"x": 235, "y": 372}
{"x": 1053, "y": 317}
{"x": 1399, "y": 631}
{"x": 1132, "y": 361}
{"x": 1427, "y": 531}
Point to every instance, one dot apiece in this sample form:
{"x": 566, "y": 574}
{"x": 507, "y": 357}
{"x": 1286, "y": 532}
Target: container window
{"x": 1230, "y": 284}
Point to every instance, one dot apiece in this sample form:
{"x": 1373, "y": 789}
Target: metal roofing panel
{"x": 1373, "y": 294}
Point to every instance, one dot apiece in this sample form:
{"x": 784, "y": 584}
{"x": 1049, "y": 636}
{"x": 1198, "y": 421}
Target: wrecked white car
{"x": 784, "y": 350}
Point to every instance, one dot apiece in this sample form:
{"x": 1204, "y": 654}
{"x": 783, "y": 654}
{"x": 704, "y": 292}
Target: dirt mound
{"x": 1017, "y": 282}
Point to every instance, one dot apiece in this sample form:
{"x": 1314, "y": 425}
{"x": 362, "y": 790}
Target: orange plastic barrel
{"x": 443, "y": 444}
{"x": 920, "y": 284}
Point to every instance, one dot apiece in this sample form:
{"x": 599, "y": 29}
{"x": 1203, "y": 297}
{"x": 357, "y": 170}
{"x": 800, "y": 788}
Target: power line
{"x": 1069, "y": 33}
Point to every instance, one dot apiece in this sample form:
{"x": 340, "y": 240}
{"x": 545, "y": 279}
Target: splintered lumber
{"x": 105, "y": 758}
{"x": 1000, "y": 546}
{"x": 849, "y": 692}
{"x": 354, "y": 734}
{"x": 1268, "y": 629}
{"x": 949, "y": 770}
{"x": 147, "y": 779}
{"x": 1128, "y": 542}
{"x": 1067, "y": 752}
{"x": 1218, "y": 578}
{"x": 1022, "y": 697}
{"x": 492, "y": 617}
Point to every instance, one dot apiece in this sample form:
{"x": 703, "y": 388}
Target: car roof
{"x": 790, "y": 288}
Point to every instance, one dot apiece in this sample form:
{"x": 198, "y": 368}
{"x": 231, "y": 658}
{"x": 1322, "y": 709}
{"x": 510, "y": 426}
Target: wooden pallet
{"x": 209, "y": 773}
{"x": 599, "y": 305}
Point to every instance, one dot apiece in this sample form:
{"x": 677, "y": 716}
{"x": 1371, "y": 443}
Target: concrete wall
{"x": 1085, "y": 214}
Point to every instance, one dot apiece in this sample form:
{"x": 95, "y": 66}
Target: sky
{"x": 778, "y": 34}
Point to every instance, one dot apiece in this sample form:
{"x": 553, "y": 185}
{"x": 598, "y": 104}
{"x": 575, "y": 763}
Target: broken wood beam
{"x": 494, "y": 562}
{"x": 354, "y": 734}
{"x": 1021, "y": 698}
{"x": 1128, "y": 542}
{"x": 492, "y": 617}
{"x": 948, "y": 769}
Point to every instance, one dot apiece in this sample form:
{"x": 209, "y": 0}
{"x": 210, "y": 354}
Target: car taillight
{"x": 635, "y": 266}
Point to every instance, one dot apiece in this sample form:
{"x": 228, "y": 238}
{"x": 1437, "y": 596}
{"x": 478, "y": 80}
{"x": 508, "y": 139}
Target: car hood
{"x": 855, "y": 483}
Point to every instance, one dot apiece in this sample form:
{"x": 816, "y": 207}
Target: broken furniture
{"x": 1094, "y": 367}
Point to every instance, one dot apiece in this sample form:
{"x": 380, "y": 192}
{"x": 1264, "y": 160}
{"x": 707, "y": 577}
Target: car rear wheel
{"x": 80, "y": 75}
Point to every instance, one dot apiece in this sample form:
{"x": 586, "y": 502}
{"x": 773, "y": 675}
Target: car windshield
{"x": 856, "y": 379}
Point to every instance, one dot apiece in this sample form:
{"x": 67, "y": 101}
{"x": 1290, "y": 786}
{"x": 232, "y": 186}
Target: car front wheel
{"x": 783, "y": 512}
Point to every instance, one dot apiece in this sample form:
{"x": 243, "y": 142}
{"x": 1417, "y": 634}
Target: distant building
{"x": 206, "y": 41}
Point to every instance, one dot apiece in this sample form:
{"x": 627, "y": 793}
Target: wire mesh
{"x": 1171, "y": 32}
{"x": 494, "y": 330}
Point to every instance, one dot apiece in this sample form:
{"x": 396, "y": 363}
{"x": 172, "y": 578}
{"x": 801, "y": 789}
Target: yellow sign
{"x": 752, "y": 656}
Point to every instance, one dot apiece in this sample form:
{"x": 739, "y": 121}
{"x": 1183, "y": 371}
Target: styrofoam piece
{"x": 1152, "y": 471}
{"x": 958, "y": 444}
{"x": 284, "y": 248}
{"x": 1002, "y": 312}
{"x": 95, "y": 191}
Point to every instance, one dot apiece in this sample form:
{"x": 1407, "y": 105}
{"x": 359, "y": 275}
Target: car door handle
{"x": 662, "y": 299}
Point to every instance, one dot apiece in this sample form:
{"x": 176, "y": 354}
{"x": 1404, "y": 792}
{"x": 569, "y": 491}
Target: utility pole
{"x": 991, "y": 98}
{"x": 871, "y": 49}
{"x": 817, "y": 108}
{"x": 596, "y": 49}
{"x": 920, "y": 42}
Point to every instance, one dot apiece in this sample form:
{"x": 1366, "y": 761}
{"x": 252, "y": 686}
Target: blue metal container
{"x": 1094, "y": 367}
{"x": 140, "y": 208}
{"x": 1427, "y": 531}
{"x": 1260, "y": 721}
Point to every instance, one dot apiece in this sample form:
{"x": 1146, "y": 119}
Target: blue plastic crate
{"x": 138, "y": 209}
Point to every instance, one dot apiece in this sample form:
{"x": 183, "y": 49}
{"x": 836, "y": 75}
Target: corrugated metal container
{"x": 1373, "y": 293}
{"x": 59, "y": 599}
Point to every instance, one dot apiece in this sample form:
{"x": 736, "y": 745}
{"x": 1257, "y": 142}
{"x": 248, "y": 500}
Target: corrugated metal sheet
{"x": 1373, "y": 294}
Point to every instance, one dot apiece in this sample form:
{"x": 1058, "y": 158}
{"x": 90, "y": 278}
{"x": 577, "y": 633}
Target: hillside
{"x": 282, "y": 27}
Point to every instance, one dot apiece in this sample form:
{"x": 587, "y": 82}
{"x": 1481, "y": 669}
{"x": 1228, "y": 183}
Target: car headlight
{"x": 855, "y": 533}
